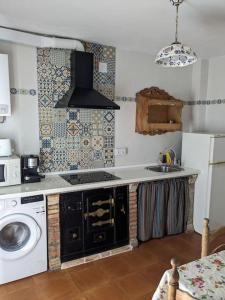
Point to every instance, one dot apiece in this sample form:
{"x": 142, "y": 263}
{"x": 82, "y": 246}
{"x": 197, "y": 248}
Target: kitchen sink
{"x": 164, "y": 169}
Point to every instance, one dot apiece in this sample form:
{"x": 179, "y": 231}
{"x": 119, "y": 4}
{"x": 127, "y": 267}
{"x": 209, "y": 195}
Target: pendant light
{"x": 177, "y": 54}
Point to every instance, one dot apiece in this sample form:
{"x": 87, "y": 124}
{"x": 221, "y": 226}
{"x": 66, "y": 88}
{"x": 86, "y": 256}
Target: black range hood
{"x": 81, "y": 93}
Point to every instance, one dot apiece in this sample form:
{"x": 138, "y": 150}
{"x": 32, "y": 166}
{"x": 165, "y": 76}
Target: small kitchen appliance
{"x": 5, "y": 147}
{"x": 10, "y": 171}
{"x": 30, "y": 169}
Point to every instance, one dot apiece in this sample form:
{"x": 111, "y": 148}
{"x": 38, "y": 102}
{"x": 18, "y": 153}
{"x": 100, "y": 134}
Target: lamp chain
{"x": 177, "y": 20}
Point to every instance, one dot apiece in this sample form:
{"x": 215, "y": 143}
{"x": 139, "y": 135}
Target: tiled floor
{"x": 132, "y": 276}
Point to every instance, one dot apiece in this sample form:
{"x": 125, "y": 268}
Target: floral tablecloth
{"x": 203, "y": 279}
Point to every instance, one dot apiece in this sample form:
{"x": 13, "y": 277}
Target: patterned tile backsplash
{"x": 73, "y": 139}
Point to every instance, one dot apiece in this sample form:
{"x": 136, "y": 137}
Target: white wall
{"x": 22, "y": 127}
{"x": 208, "y": 84}
{"x": 135, "y": 71}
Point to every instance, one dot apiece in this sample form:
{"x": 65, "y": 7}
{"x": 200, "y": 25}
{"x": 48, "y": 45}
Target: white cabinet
{"x": 5, "y": 106}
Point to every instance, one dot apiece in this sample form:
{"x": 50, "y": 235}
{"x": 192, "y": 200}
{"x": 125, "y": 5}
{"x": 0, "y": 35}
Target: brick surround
{"x": 54, "y": 232}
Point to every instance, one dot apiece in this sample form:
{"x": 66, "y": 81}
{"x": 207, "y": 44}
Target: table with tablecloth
{"x": 203, "y": 279}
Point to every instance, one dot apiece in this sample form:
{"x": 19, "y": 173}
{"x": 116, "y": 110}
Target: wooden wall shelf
{"x": 157, "y": 112}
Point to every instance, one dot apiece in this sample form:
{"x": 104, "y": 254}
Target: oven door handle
{"x": 101, "y": 223}
{"x": 102, "y": 202}
{"x": 98, "y": 213}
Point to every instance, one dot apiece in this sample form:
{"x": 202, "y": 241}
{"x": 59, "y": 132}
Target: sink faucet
{"x": 168, "y": 157}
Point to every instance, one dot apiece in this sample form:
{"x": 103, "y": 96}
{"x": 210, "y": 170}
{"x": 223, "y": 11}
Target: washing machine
{"x": 23, "y": 237}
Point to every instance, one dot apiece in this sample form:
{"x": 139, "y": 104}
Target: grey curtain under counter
{"x": 163, "y": 208}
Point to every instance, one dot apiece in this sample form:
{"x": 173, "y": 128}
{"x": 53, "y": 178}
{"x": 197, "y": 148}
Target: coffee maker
{"x": 30, "y": 169}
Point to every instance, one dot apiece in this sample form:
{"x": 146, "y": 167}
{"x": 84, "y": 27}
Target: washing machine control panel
{"x": 37, "y": 203}
{"x": 32, "y": 199}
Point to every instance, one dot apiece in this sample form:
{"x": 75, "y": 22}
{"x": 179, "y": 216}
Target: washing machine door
{"x": 19, "y": 234}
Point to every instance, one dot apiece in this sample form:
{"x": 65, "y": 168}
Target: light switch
{"x": 121, "y": 151}
{"x": 102, "y": 67}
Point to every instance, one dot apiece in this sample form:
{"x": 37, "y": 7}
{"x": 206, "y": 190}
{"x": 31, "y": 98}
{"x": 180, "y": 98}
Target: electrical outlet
{"x": 121, "y": 151}
{"x": 102, "y": 67}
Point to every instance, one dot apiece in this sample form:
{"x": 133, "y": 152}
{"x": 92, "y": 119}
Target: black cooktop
{"x": 88, "y": 177}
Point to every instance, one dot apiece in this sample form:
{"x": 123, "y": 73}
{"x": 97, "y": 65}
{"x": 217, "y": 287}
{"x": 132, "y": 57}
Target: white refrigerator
{"x": 206, "y": 152}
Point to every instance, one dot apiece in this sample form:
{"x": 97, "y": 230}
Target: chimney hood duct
{"x": 81, "y": 93}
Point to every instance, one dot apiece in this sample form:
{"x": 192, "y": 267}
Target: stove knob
{"x": 13, "y": 203}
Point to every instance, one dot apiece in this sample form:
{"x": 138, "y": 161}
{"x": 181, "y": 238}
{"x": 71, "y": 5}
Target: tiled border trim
{"x": 206, "y": 102}
{"x": 189, "y": 103}
{"x": 125, "y": 99}
{"x": 30, "y": 92}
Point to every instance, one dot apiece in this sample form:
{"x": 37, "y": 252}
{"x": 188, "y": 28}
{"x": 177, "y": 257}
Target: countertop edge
{"x": 104, "y": 184}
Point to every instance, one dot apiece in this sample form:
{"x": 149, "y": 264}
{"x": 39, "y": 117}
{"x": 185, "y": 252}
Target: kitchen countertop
{"x": 53, "y": 184}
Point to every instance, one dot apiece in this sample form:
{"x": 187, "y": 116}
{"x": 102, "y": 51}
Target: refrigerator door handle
{"x": 216, "y": 163}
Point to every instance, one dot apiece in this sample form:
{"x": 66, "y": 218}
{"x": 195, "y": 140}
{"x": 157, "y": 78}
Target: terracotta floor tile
{"x": 18, "y": 285}
{"x": 138, "y": 259}
{"x": 115, "y": 267}
{"x": 57, "y": 288}
{"x": 49, "y": 276}
{"x": 147, "y": 296}
{"x": 135, "y": 285}
{"x": 107, "y": 291}
{"x": 24, "y": 294}
{"x": 88, "y": 278}
{"x": 154, "y": 273}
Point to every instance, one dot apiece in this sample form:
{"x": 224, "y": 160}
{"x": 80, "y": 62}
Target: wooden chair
{"x": 174, "y": 293}
{"x": 208, "y": 239}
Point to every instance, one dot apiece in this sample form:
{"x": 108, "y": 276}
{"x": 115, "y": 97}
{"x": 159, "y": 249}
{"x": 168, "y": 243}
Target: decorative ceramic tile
{"x": 73, "y": 157}
{"x": 46, "y": 130}
{"x": 61, "y": 86}
{"x": 47, "y": 115}
{"x": 45, "y": 101}
{"x": 59, "y": 143}
{"x": 109, "y": 116}
{"x": 85, "y": 142}
{"x": 86, "y": 129}
{"x": 47, "y": 143}
{"x": 97, "y": 116}
{"x": 108, "y": 129}
{"x": 60, "y": 157}
{"x": 97, "y": 155}
{"x": 45, "y": 87}
{"x": 60, "y": 57}
{"x": 85, "y": 116}
{"x": 28, "y": 92}
{"x": 125, "y": 99}
{"x": 74, "y": 114}
{"x": 59, "y": 115}
{"x": 97, "y": 142}
{"x": 97, "y": 128}
{"x": 44, "y": 72}
{"x": 109, "y": 141}
{"x": 73, "y": 142}
{"x": 73, "y": 139}
{"x": 60, "y": 73}
{"x": 59, "y": 130}
{"x": 73, "y": 128}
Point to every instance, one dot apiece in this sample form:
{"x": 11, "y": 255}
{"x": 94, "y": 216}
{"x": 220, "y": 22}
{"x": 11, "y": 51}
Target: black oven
{"x": 93, "y": 221}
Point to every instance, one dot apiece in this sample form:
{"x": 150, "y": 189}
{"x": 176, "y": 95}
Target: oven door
{"x": 3, "y": 174}
{"x": 99, "y": 225}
